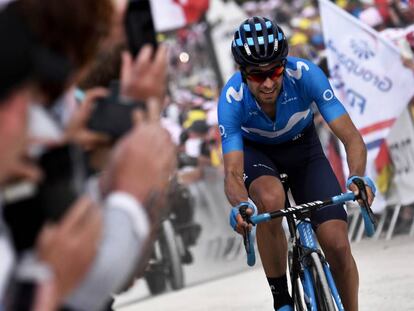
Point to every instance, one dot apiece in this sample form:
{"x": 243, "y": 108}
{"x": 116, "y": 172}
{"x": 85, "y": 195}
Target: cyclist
{"x": 266, "y": 125}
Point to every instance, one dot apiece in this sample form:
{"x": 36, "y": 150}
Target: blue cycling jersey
{"x": 241, "y": 116}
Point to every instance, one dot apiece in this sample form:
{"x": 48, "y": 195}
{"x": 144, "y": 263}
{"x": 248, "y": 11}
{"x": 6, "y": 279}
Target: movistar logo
{"x": 297, "y": 74}
{"x": 362, "y": 49}
{"x": 294, "y": 119}
{"x": 233, "y": 94}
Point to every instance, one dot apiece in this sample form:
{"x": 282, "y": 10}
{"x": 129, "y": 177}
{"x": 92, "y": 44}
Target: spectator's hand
{"x": 77, "y": 131}
{"x": 99, "y": 158}
{"x": 23, "y": 169}
{"x": 152, "y": 112}
{"x": 69, "y": 247}
{"x": 146, "y": 76}
{"x": 142, "y": 164}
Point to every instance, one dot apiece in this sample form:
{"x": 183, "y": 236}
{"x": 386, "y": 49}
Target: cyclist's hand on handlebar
{"x": 369, "y": 188}
{"x": 370, "y": 195}
{"x": 237, "y": 222}
{"x": 242, "y": 224}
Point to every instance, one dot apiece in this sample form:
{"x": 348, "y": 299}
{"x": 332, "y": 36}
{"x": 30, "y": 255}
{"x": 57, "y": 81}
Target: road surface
{"x": 386, "y": 283}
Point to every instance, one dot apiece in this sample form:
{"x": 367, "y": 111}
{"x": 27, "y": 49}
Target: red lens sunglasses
{"x": 260, "y": 77}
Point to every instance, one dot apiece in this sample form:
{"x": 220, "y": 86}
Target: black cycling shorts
{"x": 310, "y": 176}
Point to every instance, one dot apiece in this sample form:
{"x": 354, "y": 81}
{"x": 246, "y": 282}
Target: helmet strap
{"x": 243, "y": 74}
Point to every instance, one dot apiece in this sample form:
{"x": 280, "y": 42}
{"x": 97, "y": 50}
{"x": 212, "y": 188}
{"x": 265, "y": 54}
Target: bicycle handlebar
{"x": 302, "y": 208}
{"x": 248, "y": 238}
{"x": 249, "y": 247}
{"x": 366, "y": 212}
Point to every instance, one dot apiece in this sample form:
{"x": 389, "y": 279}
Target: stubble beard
{"x": 267, "y": 100}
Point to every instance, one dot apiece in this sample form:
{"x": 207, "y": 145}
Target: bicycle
{"x": 165, "y": 264}
{"x": 177, "y": 233}
{"x": 311, "y": 282}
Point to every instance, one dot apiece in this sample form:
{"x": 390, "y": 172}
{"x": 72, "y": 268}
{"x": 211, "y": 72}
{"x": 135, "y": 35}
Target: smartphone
{"x": 27, "y": 206}
{"x": 139, "y": 25}
{"x": 111, "y": 116}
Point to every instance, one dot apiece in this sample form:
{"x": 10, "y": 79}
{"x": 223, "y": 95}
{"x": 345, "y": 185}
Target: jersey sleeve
{"x": 230, "y": 117}
{"x": 320, "y": 91}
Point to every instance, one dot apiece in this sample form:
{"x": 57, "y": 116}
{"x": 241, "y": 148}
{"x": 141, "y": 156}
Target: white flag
{"x": 167, "y": 15}
{"x": 367, "y": 75}
{"x": 174, "y": 14}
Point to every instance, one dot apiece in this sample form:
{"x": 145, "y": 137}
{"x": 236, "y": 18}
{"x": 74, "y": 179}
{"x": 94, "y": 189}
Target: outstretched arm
{"x": 234, "y": 187}
{"x": 356, "y": 151}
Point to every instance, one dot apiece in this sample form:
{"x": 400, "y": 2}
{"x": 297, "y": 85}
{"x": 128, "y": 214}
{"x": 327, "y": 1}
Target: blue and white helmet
{"x": 258, "y": 41}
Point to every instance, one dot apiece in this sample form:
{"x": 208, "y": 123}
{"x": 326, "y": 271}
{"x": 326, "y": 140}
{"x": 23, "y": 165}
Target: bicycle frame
{"x": 308, "y": 242}
{"x": 303, "y": 244}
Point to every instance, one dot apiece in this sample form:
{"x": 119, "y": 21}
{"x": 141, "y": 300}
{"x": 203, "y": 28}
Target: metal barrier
{"x": 211, "y": 211}
{"x": 356, "y": 226}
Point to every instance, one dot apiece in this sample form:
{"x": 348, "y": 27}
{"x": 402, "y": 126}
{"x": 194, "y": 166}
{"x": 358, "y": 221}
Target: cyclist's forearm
{"x": 356, "y": 154}
{"x": 234, "y": 187}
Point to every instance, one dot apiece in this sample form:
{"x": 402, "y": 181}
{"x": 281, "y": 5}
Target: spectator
{"x": 89, "y": 296}
{"x": 121, "y": 189}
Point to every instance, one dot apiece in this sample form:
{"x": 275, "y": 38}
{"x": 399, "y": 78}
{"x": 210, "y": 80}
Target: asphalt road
{"x": 386, "y": 283}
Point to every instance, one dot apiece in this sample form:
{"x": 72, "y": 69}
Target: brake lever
{"x": 246, "y": 240}
{"x": 246, "y": 236}
{"x": 364, "y": 198}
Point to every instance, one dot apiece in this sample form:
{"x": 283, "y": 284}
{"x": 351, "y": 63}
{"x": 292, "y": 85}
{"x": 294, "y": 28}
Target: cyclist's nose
{"x": 268, "y": 83}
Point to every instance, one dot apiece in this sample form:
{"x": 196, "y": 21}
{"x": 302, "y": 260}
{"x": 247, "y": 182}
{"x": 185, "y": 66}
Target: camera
{"x": 112, "y": 115}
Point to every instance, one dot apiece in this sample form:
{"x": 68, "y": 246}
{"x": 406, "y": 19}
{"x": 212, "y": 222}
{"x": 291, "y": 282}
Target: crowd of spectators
{"x": 300, "y": 19}
{"x": 80, "y": 214}
{"x": 301, "y": 22}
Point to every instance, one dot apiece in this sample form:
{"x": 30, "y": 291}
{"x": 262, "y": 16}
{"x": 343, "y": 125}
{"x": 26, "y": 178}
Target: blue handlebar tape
{"x": 367, "y": 181}
{"x": 251, "y": 256}
{"x": 349, "y": 196}
{"x": 369, "y": 226}
{"x": 260, "y": 218}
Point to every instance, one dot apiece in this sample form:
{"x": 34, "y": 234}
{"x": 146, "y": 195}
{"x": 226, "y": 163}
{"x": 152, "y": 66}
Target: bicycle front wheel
{"x": 172, "y": 258}
{"x": 321, "y": 286}
{"x": 296, "y": 286}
